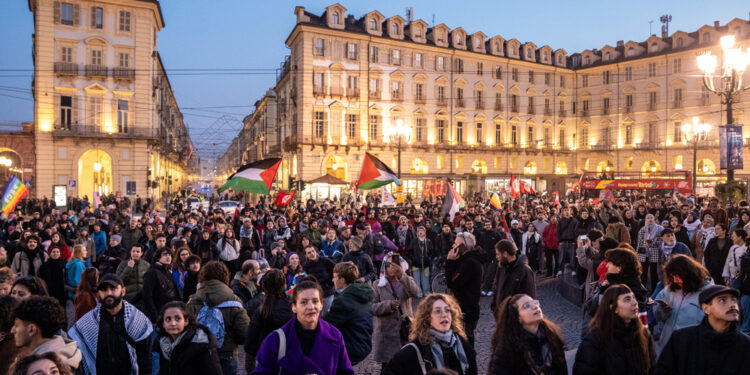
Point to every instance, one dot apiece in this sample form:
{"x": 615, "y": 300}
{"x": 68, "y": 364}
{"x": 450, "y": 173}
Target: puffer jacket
{"x": 214, "y": 292}
{"x": 351, "y": 313}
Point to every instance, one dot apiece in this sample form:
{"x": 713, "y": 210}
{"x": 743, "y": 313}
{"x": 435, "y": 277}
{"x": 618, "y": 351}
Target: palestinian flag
{"x": 256, "y": 177}
{"x": 375, "y": 174}
{"x": 453, "y": 201}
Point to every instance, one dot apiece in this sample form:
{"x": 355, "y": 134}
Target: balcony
{"x": 548, "y": 112}
{"x": 352, "y": 92}
{"x": 375, "y": 95}
{"x": 420, "y": 99}
{"x": 336, "y": 91}
{"x": 629, "y": 109}
{"x": 514, "y": 109}
{"x": 479, "y": 104}
{"x": 585, "y": 113}
{"x": 562, "y": 113}
{"x": 397, "y": 96}
{"x": 67, "y": 68}
{"x": 602, "y": 147}
{"x": 442, "y": 102}
{"x": 123, "y": 73}
{"x": 97, "y": 131}
{"x": 645, "y": 146}
{"x": 605, "y": 111}
{"x": 651, "y": 106}
{"x": 97, "y": 71}
{"x": 319, "y": 90}
{"x": 460, "y": 102}
{"x": 677, "y": 104}
{"x": 498, "y": 106}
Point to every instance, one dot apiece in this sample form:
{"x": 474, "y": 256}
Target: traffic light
{"x": 302, "y": 185}
{"x": 292, "y": 183}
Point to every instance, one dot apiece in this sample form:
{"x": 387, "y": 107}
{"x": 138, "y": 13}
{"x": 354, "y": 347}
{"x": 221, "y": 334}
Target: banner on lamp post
{"x": 730, "y": 146}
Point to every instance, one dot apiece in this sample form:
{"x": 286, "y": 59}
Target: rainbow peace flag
{"x": 13, "y": 193}
{"x": 495, "y": 200}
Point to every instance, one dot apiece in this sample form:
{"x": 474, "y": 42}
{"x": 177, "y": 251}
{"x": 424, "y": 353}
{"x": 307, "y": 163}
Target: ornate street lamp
{"x": 400, "y": 133}
{"x": 695, "y": 133}
{"x": 733, "y": 64}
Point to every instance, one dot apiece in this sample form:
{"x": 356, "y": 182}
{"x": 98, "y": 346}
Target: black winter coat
{"x": 701, "y": 350}
{"x": 487, "y": 242}
{"x": 363, "y": 263}
{"x": 715, "y": 258}
{"x": 464, "y": 278}
{"x": 419, "y": 255}
{"x": 444, "y": 243}
{"x": 194, "y": 354}
{"x": 53, "y": 273}
{"x": 513, "y": 358}
{"x": 405, "y": 360}
{"x": 322, "y": 269}
{"x": 512, "y": 279}
{"x": 351, "y": 313}
{"x": 158, "y": 289}
{"x": 623, "y": 358}
{"x": 566, "y": 229}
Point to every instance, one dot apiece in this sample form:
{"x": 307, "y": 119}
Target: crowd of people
{"x": 318, "y": 287}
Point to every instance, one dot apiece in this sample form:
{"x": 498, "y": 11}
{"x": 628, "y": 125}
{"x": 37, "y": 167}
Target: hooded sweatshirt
{"x": 66, "y": 350}
{"x": 351, "y": 312}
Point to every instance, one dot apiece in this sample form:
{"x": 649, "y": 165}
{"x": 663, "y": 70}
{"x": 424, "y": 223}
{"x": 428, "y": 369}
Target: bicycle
{"x": 438, "y": 283}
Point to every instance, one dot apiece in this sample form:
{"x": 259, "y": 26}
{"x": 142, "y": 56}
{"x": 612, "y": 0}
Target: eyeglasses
{"x": 529, "y": 305}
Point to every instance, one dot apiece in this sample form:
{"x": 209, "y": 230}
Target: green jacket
{"x": 314, "y": 236}
{"x": 132, "y": 277}
{"x": 214, "y": 292}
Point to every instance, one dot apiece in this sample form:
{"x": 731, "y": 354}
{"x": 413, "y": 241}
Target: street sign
{"x": 71, "y": 183}
{"x": 28, "y": 184}
{"x": 60, "y": 193}
{"x": 130, "y": 187}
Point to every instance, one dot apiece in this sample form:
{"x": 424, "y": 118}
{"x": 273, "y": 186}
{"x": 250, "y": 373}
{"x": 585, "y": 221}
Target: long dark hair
{"x": 89, "y": 281}
{"x": 692, "y": 274}
{"x": 509, "y": 331}
{"x": 604, "y": 322}
{"x": 273, "y": 284}
{"x": 186, "y": 314}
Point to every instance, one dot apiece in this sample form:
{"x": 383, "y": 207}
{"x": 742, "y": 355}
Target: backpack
{"x": 378, "y": 244}
{"x": 211, "y": 317}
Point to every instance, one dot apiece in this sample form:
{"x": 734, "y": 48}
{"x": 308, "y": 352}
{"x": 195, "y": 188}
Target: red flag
{"x": 283, "y": 199}
{"x": 531, "y": 189}
{"x": 557, "y": 199}
{"x": 505, "y": 223}
{"x": 523, "y": 187}
{"x": 513, "y": 189}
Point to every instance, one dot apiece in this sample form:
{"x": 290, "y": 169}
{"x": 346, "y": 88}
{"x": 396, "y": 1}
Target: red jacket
{"x": 549, "y": 236}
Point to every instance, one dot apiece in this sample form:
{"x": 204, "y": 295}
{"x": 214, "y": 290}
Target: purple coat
{"x": 328, "y": 355}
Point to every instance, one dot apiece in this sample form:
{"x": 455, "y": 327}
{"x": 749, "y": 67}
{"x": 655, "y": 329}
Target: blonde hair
{"x": 78, "y": 251}
{"x": 420, "y": 327}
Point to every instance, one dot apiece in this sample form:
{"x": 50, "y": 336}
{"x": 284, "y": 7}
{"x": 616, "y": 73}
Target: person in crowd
{"x": 133, "y": 272}
{"x": 716, "y": 251}
{"x": 311, "y": 345}
{"x": 111, "y": 258}
{"x": 532, "y": 246}
{"x": 703, "y": 234}
{"x": 37, "y": 322}
{"x": 732, "y": 268}
{"x": 444, "y": 240}
{"x": 669, "y": 248}
{"x": 269, "y": 235}
{"x": 179, "y": 267}
{"x": 420, "y": 253}
{"x": 351, "y": 311}
{"x": 525, "y": 342}
{"x": 158, "y": 285}
{"x": 322, "y": 269}
{"x": 394, "y": 291}
{"x": 40, "y": 364}
{"x": 486, "y": 243}
{"x": 404, "y": 234}
{"x": 85, "y": 239}
{"x": 313, "y": 234}
{"x": 100, "y": 239}
{"x": 513, "y": 274}
{"x": 206, "y": 248}
{"x": 590, "y": 254}
{"x": 516, "y": 233}
{"x": 437, "y": 341}
{"x": 617, "y": 342}
{"x": 29, "y": 260}
{"x": 293, "y": 271}
{"x": 624, "y": 268}
{"x": 131, "y": 235}
{"x": 8, "y": 348}
{"x": 566, "y": 234}
{"x": 53, "y": 274}
{"x": 85, "y": 298}
{"x": 649, "y": 247}
{"x": 160, "y": 243}
{"x": 274, "y": 312}
{"x": 74, "y": 268}
{"x": 245, "y": 282}
{"x": 229, "y": 250}
{"x": 214, "y": 293}
{"x": 191, "y": 279}
{"x": 713, "y": 346}
{"x": 57, "y": 242}
{"x": 463, "y": 274}
{"x": 114, "y": 337}
{"x": 27, "y": 287}
{"x": 7, "y": 277}
{"x": 551, "y": 246}
{"x": 363, "y": 261}
{"x": 184, "y": 346}
{"x": 677, "y": 304}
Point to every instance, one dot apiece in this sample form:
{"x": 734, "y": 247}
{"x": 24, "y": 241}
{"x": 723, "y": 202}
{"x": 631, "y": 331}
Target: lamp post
{"x": 733, "y": 65}
{"x": 399, "y": 133}
{"x": 695, "y": 132}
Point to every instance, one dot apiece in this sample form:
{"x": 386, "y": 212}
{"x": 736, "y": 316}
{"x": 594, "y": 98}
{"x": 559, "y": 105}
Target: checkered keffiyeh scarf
{"x": 86, "y": 334}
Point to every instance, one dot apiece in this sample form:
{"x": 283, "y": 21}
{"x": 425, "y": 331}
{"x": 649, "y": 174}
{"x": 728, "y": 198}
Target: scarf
{"x": 667, "y": 249}
{"x": 447, "y": 340}
{"x": 167, "y": 345}
{"x": 401, "y": 231}
{"x": 85, "y": 332}
{"x": 706, "y": 235}
{"x": 691, "y": 226}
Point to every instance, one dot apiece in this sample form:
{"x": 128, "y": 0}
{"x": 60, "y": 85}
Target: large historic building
{"x": 106, "y": 119}
{"x": 479, "y": 108}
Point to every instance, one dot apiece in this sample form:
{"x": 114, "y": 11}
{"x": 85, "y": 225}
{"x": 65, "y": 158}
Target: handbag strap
{"x": 419, "y": 357}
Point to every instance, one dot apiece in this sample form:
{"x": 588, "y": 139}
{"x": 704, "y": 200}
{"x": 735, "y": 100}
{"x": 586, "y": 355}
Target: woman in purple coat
{"x": 306, "y": 344}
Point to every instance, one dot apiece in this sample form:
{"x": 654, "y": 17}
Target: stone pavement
{"x": 555, "y": 308}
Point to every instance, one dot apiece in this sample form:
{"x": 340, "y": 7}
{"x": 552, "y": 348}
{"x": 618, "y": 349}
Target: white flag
{"x": 386, "y": 198}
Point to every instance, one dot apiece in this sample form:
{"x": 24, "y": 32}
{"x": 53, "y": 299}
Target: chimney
{"x": 620, "y": 43}
{"x": 411, "y": 14}
{"x": 664, "y": 32}
{"x": 716, "y": 24}
{"x": 300, "y": 13}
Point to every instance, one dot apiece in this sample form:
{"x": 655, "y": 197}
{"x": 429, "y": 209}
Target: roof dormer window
{"x": 559, "y": 59}
{"x": 497, "y": 47}
{"x": 458, "y": 40}
{"x": 528, "y": 53}
{"x": 654, "y": 47}
{"x": 631, "y": 52}
{"x": 607, "y": 56}
{"x": 587, "y": 60}
{"x": 373, "y": 24}
{"x": 679, "y": 43}
{"x": 394, "y": 29}
{"x": 707, "y": 38}
{"x": 335, "y": 18}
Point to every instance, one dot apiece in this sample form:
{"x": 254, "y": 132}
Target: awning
{"x": 328, "y": 179}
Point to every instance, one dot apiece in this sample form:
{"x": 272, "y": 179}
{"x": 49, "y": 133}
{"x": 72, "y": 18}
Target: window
{"x": 561, "y": 137}
{"x": 420, "y": 130}
{"x": 374, "y": 122}
{"x": 629, "y": 73}
{"x": 419, "y": 91}
{"x": 440, "y": 63}
{"x": 440, "y": 131}
{"x": 605, "y": 106}
{"x": 677, "y": 136}
{"x": 586, "y": 104}
{"x": 652, "y": 133}
{"x": 319, "y": 82}
{"x": 396, "y": 90}
{"x": 530, "y": 140}
{"x": 459, "y": 132}
{"x": 547, "y": 107}
{"x": 66, "y": 54}
{"x": 395, "y": 57}
{"x": 124, "y": 20}
{"x": 373, "y": 25}
{"x": 528, "y": 53}
{"x": 587, "y": 60}
{"x": 351, "y": 83}
{"x": 122, "y": 116}
{"x": 677, "y": 65}
{"x": 459, "y": 66}
{"x": 652, "y": 70}
{"x": 514, "y": 74}
{"x": 498, "y": 101}
{"x": 531, "y": 108}
{"x": 95, "y": 110}
{"x": 546, "y": 136}
{"x": 652, "y": 100}
{"x": 480, "y": 69}
{"x": 629, "y": 103}
{"x": 547, "y": 78}
{"x": 479, "y": 133}
{"x": 394, "y": 29}
{"x": 417, "y": 60}
{"x": 320, "y": 124}
{"x": 352, "y": 50}
{"x": 479, "y": 97}
{"x": 96, "y": 57}
{"x": 66, "y": 112}
{"x": 606, "y": 77}
{"x": 459, "y": 94}
{"x": 607, "y": 56}
{"x": 707, "y": 38}
{"x": 654, "y": 47}
{"x": 585, "y": 80}
{"x": 351, "y": 125}
{"x": 335, "y": 18}
{"x": 678, "y": 97}
{"x": 498, "y": 72}
{"x": 373, "y": 54}
{"x": 123, "y": 60}
{"x": 441, "y": 94}
{"x": 496, "y": 47}
{"x": 97, "y": 17}
{"x": 514, "y": 103}
{"x": 584, "y": 137}
{"x": 514, "y": 135}
{"x": 562, "y": 81}
{"x": 631, "y": 52}
{"x": 66, "y": 14}
{"x": 531, "y": 76}
{"x": 459, "y": 162}
{"x": 440, "y": 162}
{"x": 679, "y": 43}
{"x": 628, "y": 134}
{"x": 498, "y": 134}
{"x": 320, "y": 48}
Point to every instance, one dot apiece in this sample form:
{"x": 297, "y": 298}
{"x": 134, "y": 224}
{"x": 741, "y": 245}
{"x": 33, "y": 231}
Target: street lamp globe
{"x": 97, "y": 166}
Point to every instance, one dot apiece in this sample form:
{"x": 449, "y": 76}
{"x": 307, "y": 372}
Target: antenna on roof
{"x": 665, "y": 20}
{"x": 433, "y": 19}
{"x": 649, "y": 27}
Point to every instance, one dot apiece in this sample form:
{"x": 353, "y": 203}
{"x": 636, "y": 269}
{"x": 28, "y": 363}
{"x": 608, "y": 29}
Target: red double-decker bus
{"x": 595, "y": 184}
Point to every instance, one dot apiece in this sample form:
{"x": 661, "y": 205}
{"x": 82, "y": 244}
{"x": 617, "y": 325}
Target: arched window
{"x": 631, "y": 52}
{"x": 654, "y": 47}
{"x": 394, "y": 29}
{"x": 335, "y": 18}
{"x": 373, "y": 25}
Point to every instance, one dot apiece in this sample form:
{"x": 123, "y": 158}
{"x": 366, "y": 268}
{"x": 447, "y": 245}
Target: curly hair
{"x": 214, "y": 270}
{"x": 45, "y": 312}
{"x": 692, "y": 274}
{"x": 22, "y": 365}
{"x": 7, "y": 275}
{"x": 420, "y": 327}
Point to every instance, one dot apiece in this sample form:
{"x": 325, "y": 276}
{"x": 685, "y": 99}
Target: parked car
{"x": 195, "y": 203}
{"x": 229, "y": 206}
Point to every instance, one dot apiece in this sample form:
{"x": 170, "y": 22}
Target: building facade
{"x": 479, "y": 108}
{"x": 106, "y": 119}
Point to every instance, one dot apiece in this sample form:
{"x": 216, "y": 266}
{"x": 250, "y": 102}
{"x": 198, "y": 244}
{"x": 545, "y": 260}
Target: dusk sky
{"x": 222, "y": 55}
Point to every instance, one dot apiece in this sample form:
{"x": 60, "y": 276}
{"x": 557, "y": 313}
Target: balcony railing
{"x": 420, "y": 99}
{"x": 479, "y": 104}
{"x": 548, "y": 112}
{"x": 76, "y": 130}
{"x": 585, "y": 113}
{"x": 645, "y": 145}
{"x": 605, "y": 111}
{"x": 319, "y": 90}
{"x": 337, "y": 91}
{"x": 629, "y": 109}
{"x": 460, "y": 102}
{"x": 562, "y": 113}
{"x": 375, "y": 94}
{"x": 442, "y": 102}
{"x": 97, "y": 71}
{"x": 498, "y": 106}
{"x": 397, "y": 96}
{"x": 530, "y": 111}
{"x": 123, "y": 73}
{"x": 514, "y": 109}
{"x": 352, "y": 92}
{"x": 601, "y": 147}
{"x": 66, "y": 68}
{"x": 677, "y": 104}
